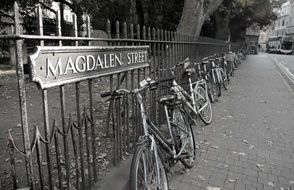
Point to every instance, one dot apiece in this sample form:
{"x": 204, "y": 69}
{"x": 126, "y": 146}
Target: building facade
{"x": 290, "y": 27}
{"x": 281, "y": 25}
{"x": 252, "y": 35}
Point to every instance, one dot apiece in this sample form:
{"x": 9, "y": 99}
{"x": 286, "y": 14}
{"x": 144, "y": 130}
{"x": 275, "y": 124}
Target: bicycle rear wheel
{"x": 203, "y": 105}
{"x": 225, "y": 80}
{"x": 211, "y": 90}
{"x": 144, "y": 172}
{"x": 184, "y": 137}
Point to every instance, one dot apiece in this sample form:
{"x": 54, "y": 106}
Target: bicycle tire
{"x": 183, "y": 135}
{"x": 225, "y": 80}
{"x": 200, "y": 101}
{"x": 219, "y": 89}
{"x": 144, "y": 152}
{"x": 211, "y": 90}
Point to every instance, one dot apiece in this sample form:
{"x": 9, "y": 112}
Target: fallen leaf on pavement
{"x": 244, "y": 141}
{"x": 259, "y": 166}
{"x": 241, "y": 153}
{"x": 251, "y": 146}
{"x": 212, "y": 188}
{"x": 271, "y": 184}
{"x": 201, "y": 177}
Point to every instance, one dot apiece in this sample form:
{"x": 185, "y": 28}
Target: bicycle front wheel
{"x": 145, "y": 172}
{"x": 203, "y": 105}
{"x": 184, "y": 137}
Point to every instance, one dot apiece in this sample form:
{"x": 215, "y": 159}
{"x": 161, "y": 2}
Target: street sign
{"x": 58, "y": 65}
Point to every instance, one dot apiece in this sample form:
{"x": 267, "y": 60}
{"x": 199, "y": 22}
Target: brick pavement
{"x": 249, "y": 145}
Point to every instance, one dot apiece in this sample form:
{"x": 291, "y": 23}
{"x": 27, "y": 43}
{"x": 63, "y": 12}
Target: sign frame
{"x": 37, "y": 63}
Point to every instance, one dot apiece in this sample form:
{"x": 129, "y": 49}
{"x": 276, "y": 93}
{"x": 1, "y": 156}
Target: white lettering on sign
{"x": 84, "y": 63}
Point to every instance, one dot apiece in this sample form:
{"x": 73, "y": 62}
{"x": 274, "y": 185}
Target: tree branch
{"x": 47, "y": 7}
{"x": 212, "y": 6}
{"x": 6, "y": 14}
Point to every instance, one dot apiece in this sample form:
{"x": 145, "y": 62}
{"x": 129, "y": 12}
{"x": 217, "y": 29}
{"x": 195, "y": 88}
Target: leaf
{"x": 259, "y": 166}
{"x": 244, "y": 141}
{"x": 270, "y": 143}
{"x": 212, "y": 188}
{"x": 231, "y": 180}
{"x": 241, "y": 153}
{"x": 201, "y": 177}
{"x": 271, "y": 184}
{"x": 251, "y": 146}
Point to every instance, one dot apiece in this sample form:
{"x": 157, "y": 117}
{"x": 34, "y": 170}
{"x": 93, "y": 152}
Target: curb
{"x": 284, "y": 70}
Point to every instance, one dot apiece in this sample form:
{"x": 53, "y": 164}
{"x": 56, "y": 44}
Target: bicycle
{"x": 196, "y": 98}
{"x": 147, "y": 168}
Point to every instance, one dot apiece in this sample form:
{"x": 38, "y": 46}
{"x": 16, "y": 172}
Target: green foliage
{"x": 243, "y": 13}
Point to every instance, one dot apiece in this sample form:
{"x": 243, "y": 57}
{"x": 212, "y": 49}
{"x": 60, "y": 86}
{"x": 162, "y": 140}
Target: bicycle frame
{"x": 151, "y": 131}
{"x": 189, "y": 99}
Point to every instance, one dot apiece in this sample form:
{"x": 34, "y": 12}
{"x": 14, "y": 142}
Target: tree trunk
{"x": 195, "y": 12}
{"x": 222, "y": 23}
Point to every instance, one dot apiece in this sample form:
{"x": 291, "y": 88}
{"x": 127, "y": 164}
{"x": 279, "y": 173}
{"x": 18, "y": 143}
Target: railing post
{"x": 22, "y": 99}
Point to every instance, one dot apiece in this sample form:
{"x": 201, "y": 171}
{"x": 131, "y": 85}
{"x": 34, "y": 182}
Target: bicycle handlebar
{"x": 147, "y": 84}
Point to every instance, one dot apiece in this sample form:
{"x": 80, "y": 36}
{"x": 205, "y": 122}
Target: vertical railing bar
{"x": 62, "y": 104}
{"x": 127, "y": 127}
{"x": 71, "y": 125}
{"x": 22, "y": 99}
{"x": 81, "y": 143}
{"x": 93, "y": 131}
{"x": 165, "y": 47}
{"x": 118, "y": 126}
{"x": 144, "y": 38}
{"x": 132, "y": 96}
{"x": 65, "y": 136}
{"x": 133, "y": 109}
{"x": 77, "y": 171}
{"x": 57, "y": 153}
{"x": 117, "y": 31}
{"x": 156, "y": 69}
{"x": 88, "y": 24}
{"x": 40, "y": 24}
{"x": 39, "y": 156}
{"x": 47, "y": 135}
{"x": 151, "y": 70}
{"x": 126, "y": 131}
{"x": 170, "y": 49}
{"x": 75, "y": 27}
{"x": 85, "y": 123}
{"x": 108, "y": 31}
{"x": 58, "y": 25}
{"x": 39, "y": 161}
{"x": 138, "y": 32}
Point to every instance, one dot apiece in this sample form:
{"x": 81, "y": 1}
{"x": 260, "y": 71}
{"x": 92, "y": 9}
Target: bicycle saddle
{"x": 167, "y": 99}
{"x": 189, "y": 71}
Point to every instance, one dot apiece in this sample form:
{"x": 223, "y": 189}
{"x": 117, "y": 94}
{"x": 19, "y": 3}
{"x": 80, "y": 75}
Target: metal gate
{"x": 69, "y": 134}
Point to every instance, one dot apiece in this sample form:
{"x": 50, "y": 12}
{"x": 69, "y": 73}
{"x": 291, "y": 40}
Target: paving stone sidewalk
{"x": 250, "y": 143}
